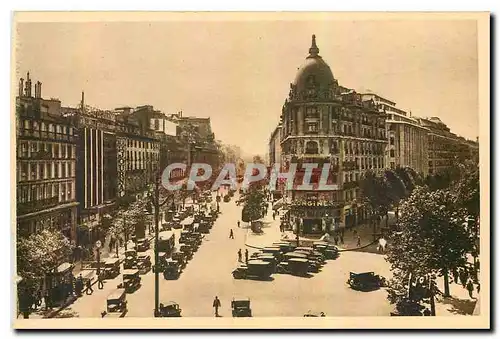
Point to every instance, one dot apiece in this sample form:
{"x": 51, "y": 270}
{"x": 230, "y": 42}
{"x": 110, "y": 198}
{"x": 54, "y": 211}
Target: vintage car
{"x": 256, "y": 269}
{"x": 180, "y": 257}
{"x": 274, "y": 250}
{"x": 112, "y": 268}
{"x": 367, "y": 281}
{"x": 314, "y": 314}
{"x": 176, "y": 223}
{"x": 241, "y": 307}
{"x": 268, "y": 258}
{"x": 227, "y": 198}
{"x": 169, "y": 309}
{"x": 295, "y": 266}
{"x": 131, "y": 280}
{"x": 130, "y": 259}
{"x": 142, "y": 245}
{"x": 313, "y": 266}
{"x": 171, "y": 270}
{"x": 314, "y": 256}
{"x": 285, "y": 247}
{"x": 204, "y": 227}
{"x": 187, "y": 250}
{"x": 116, "y": 304}
{"x": 143, "y": 263}
{"x": 162, "y": 259}
{"x": 331, "y": 252}
{"x": 185, "y": 235}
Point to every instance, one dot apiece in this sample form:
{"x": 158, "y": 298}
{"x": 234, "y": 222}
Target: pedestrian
{"x": 231, "y": 235}
{"x": 216, "y": 305}
{"x": 100, "y": 280}
{"x": 470, "y": 288}
{"x": 336, "y": 240}
{"x": 238, "y": 224}
{"x": 79, "y": 285}
{"x": 358, "y": 244}
{"x": 89, "y": 287}
{"x": 239, "y": 255}
{"x": 463, "y": 277}
{"x": 455, "y": 275}
{"x": 246, "y": 256}
{"x": 39, "y": 298}
{"x": 341, "y": 238}
{"x": 477, "y": 287}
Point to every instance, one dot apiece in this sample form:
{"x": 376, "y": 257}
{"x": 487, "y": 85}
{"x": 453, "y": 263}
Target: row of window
{"x": 36, "y": 149}
{"x": 134, "y": 155}
{"x": 142, "y": 144}
{"x": 45, "y": 170}
{"x": 42, "y": 126}
{"x": 53, "y": 193}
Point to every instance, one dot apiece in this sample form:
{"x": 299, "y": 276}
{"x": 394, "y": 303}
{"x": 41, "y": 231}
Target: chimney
{"x": 21, "y": 87}
{"x": 27, "y": 89}
{"x": 38, "y": 90}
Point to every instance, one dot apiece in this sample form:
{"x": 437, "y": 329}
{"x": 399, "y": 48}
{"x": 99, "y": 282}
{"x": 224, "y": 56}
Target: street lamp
{"x": 155, "y": 201}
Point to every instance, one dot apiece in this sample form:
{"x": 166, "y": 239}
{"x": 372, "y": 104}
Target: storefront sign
{"x": 315, "y": 203}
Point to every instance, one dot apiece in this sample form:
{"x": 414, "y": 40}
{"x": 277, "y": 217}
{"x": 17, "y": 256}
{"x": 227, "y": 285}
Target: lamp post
{"x": 155, "y": 202}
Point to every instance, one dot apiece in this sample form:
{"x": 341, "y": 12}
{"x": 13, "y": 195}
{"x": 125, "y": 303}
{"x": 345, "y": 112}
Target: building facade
{"x": 445, "y": 148}
{"x": 407, "y": 139}
{"x": 325, "y": 123}
{"x": 45, "y": 164}
{"x": 274, "y": 146}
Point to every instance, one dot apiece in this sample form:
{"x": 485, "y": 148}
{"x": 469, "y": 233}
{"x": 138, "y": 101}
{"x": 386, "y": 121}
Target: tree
{"x": 433, "y": 238}
{"x": 254, "y": 203}
{"x": 125, "y": 221}
{"x": 374, "y": 190}
{"x": 40, "y": 253}
{"x": 396, "y": 191}
{"x": 466, "y": 192}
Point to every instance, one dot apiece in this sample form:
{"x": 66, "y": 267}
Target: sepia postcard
{"x": 250, "y": 170}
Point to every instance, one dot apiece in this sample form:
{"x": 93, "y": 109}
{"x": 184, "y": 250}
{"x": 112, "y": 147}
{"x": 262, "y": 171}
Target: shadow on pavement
{"x": 460, "y": 306}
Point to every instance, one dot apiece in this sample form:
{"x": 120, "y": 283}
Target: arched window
{"x": 312, "y": 147}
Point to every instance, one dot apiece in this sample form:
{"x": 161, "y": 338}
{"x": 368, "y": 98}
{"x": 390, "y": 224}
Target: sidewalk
{"x": 459, "y": 303}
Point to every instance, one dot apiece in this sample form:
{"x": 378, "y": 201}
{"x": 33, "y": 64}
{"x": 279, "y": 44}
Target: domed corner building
{"x": 327, "y": 124}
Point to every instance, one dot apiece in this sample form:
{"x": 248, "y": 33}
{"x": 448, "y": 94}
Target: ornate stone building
{"x": 45, "y": 164}
{"x": 323, "y": 122}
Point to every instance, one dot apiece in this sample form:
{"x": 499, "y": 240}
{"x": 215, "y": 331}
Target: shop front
{"x": 316, "y": 220}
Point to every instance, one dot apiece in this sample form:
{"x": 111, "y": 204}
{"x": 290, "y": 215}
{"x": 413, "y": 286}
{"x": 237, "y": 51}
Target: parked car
{"x": 258, "y": 269}
{"x": 169, "y": 309}
{"x": 131, "y": 280}
{"x": 241, "y": 307}
{"x": 142, "y": 245}
{"x": 112, "y": 268}
{"x": 116, "y": 304}
{"x": 366, "y": 281}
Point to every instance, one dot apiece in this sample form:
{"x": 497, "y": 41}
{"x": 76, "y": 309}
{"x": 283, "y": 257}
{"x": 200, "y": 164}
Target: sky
{"x": 238, "y": 73}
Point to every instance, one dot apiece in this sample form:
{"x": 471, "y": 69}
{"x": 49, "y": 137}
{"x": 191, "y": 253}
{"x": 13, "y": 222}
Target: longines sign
{"x": 315, "y": 203}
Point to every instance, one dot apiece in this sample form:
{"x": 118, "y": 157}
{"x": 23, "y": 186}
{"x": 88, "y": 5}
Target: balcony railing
{"x": 38, "y": 205}
{"x": 46, "y": 135}
{"x": 350, "y": 184}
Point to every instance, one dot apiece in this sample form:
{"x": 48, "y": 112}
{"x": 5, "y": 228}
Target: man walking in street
{"x": 216, "y": 305}
{"x": 246, "y": 256}
{"x": 470, "y": 288}
{"x": 239, "y": 255}
{"x": 231, "y": 235}
{"x": 100, "y": 280}
{"x": 238, "y": 224}
{"x": 358, "y": 244}
{"x": 89, "y": 287}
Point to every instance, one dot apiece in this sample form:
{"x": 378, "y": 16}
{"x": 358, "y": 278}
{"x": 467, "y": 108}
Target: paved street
{"x": 209, "y": 274}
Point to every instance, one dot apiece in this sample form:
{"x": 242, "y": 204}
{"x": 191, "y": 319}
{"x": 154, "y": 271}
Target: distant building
{"x": 445, "y": 148}
{"x": 45, "y": 164}
{"x": 407, "y": 139}
{"x": 275, "y": 146}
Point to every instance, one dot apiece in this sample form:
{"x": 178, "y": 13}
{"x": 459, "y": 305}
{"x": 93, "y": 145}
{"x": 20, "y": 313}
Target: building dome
{"x": 315, "y": 72}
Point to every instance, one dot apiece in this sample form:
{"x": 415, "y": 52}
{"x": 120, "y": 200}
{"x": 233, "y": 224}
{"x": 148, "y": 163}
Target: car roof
{"x": 116, "y": 294}
{"x": 257, "y": 262}
{"x": 298, "y": 260}
{"x": 112, "y": 260}
{"x": 130, "y": 271}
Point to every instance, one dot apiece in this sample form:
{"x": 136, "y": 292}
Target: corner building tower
{"x": 323, "y": 122}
